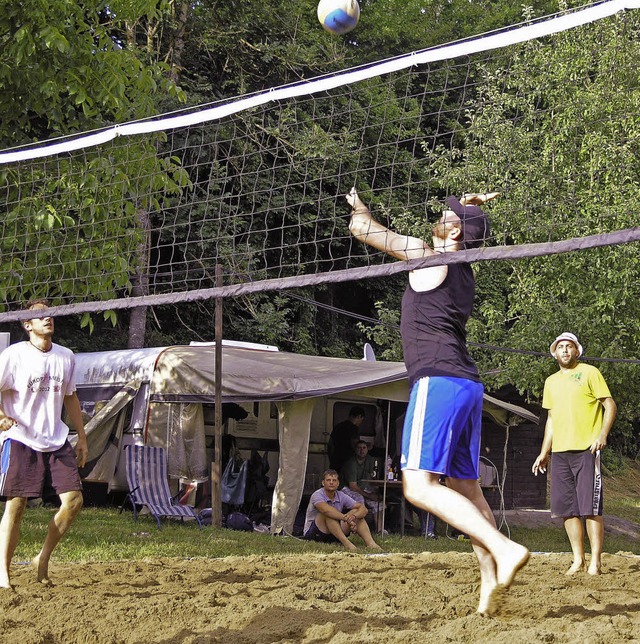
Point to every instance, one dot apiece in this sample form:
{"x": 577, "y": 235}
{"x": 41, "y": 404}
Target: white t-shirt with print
{"x": 33, "y": 385}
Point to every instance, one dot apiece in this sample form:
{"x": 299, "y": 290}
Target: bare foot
{"x": 510, "y": 563}
{"x": 594, "y": 569}
{"x": 575, "y": 568}
{"x": 5, "y": 585}
{"x": 5, "y": 581}
{"x": 486, "y": 606}
{"x": 491, "y": 600}
{"x": 43, "y": 571}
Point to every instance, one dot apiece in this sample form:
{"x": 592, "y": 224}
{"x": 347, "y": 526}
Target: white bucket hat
{"x": 565, "y": 336}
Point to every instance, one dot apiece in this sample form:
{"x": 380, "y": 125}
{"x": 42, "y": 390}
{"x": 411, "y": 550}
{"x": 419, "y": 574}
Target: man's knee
{"x": 15, "y": 507}
{"x": 467, "y": 487}
{"x": 71, "y": 502}
{"x": 334, "y": 526}
{"x": 418, "y": 483}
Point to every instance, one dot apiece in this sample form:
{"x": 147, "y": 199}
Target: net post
{"x": 216, "y": 496}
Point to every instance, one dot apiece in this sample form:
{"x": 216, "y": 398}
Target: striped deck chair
{"x": 148, "y": 484}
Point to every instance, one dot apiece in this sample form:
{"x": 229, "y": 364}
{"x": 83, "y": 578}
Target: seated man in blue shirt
{"x": 333, "y": 516}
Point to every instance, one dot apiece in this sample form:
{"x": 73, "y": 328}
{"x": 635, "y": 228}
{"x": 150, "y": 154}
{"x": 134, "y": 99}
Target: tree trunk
{"x": 140, "y": 284}
{"x": 177, "y": 47}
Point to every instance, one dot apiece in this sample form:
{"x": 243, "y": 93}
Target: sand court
{"x": 319, "y": 598}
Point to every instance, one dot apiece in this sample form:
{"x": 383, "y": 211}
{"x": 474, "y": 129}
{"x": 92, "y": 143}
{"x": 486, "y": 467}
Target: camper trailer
{"x": 165, "y": 397}
{"x": 259, "y": 431}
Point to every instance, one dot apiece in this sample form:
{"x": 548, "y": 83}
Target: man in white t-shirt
{"x": 37, "y": 381}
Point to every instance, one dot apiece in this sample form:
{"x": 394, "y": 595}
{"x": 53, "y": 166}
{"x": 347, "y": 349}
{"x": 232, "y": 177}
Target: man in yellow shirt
{"x": 581, "y": 413}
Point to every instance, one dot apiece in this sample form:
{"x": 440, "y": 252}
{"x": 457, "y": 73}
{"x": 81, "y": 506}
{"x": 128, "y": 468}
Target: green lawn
{"x": 103, "y": 534}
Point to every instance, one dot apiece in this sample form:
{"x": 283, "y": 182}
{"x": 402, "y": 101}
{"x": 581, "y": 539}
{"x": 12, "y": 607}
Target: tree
{"x": 63, "y": 70}
{"x": 104, "y": 64}
{"x": 237, "y": 48}
{"x": 559, "y": 133}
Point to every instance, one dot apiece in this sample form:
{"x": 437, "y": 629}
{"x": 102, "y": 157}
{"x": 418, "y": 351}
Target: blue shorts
{"x": 443, "y": 427}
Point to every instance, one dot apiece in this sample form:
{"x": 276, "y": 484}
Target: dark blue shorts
{"x": 443, "y": 426}
{"x": 26, "y": 473}
{"x": 315, "y": 534}
{"x": 576, "y": 484}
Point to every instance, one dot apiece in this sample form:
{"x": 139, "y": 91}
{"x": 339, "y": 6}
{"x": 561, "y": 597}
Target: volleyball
{"x": 338, "y": 16}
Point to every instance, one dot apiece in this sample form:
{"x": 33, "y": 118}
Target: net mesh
{"x": 259, "y": 191}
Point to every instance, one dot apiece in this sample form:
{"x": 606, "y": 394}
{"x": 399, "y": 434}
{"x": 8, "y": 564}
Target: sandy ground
{"x": 315, "y": 599}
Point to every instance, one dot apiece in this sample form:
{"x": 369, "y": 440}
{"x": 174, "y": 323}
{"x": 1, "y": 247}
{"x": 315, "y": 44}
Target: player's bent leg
{"x": 509, "y": 559}
{"x": 595, "y": 532}
{"x": 70, "y": 506}
{"x": 575, "y": 532}
{"x": 490, "y": 599}
{"x": 9, "y": 533}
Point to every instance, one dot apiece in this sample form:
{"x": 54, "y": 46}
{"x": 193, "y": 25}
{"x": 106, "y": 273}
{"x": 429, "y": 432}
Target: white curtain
{"x": 294, "y": 429}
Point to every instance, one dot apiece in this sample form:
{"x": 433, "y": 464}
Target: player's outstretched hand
{"x": 352, "y": 197}
{"x": 477, "y": 199}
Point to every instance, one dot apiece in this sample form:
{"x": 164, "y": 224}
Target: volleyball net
{"x": 145, "y": 213}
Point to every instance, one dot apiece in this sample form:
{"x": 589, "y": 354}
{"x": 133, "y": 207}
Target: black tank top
{"x": 433, "y": 327}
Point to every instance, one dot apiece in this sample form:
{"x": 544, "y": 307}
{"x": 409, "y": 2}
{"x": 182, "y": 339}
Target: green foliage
{"x": 63, "y": 70}
{"x": 401, "y": 26}
{"x": 385, "y": 335}
{"x": 558, "y": 134}
{"x": 76, "y": 227}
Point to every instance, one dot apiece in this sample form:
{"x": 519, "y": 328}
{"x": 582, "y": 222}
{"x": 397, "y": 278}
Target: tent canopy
{"x": 180, "y": 377}
{"x": 187, "y": 373}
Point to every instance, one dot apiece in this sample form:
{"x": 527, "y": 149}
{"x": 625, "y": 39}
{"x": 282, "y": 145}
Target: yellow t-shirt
{"x": 573, "y": 400}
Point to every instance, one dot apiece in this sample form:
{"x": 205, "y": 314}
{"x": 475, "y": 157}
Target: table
{"x": 393, "y": 485}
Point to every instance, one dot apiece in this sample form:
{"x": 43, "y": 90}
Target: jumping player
{"x": 441, "y": 434}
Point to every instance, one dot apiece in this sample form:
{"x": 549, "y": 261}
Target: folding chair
{"x": 148, "y": 484}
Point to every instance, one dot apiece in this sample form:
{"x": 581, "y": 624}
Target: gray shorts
{"x": 27, "y": 473}
{"x": 576, "y": 484}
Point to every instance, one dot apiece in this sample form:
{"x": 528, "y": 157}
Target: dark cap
{"x": 475, "y": 223}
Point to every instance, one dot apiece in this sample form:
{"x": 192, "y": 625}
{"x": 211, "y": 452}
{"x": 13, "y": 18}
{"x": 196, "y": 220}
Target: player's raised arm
{"x": 369, "y": 231}
{"x": 477, "y": 198}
